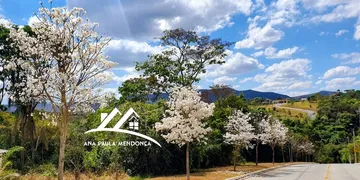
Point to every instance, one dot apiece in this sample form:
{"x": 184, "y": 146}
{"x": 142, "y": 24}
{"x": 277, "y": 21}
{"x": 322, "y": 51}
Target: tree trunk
{"x": 283, "y": 155}
{"x": 63, "y": 135}
{"x": 290, "y": 154}
{"x": 32, "y": 131}
{"x": 236, "y": 150}
{"x": 22, "y": 130}
{"x": 273, "y": 154}
{"x": 257, "y": 152}
{"x": 22, "y": 142}
{"x": 187, "y": 161}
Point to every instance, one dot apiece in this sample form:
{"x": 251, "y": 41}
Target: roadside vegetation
{"x": 196, "y": 132}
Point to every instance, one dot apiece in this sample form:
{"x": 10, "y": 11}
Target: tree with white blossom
{"x": 282, "y": 142}
{"x": 275, "y": 134}
{"x": 239, "y": 132}
{"x": 307, "y": 148}
{"x": 70, "y": 53}
{"x": 183, "y": 124}
{"x": 259, "y": 120}
{"x": 17, "y": 75}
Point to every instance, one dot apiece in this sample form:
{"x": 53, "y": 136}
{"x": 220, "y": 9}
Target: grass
{"x": 284, "y": 113}
{"x": 70, "y": 176}
{"x": 218, "y": 173}
{"x": 303, "y": 105}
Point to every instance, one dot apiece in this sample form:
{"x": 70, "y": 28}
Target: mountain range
{"x": 322, "y": 93}
{"x": 251, "y": 94}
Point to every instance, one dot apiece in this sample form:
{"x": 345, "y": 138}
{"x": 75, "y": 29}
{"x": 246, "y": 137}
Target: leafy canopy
{"x": 186, "y": 56}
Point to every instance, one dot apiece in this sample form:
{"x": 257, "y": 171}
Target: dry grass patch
{"x": 283, "y": 112}
{"x": 70, "y": 176}
{"x": 303, "y": 105}
{"x": 218, "y": 173}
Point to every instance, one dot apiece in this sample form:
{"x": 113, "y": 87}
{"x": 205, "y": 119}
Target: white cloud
{"x": 111, "y": 91}
{"x": 323, "y": 33}
{"x": 127, "y": 52}
{"x": 272, "y": 53}
{"x": 5, "y": 22}
{"x": 349, "y": 58}
{"x": 120, "y": 79}
{"x": 342, "y": 9}
{"x": 283, "y": 12}
{"x": 297, "y": 93}
{"x": 235, "y": 63}
{"x": 237, "y": 87}
{"x": 301, "y": 85}
{"x": 144, "y": 20}
{"x": 341, "y": 32}
{"x": 5, "y": 99}
{"x": 341, "y": 83}
{"x": 290, "y": 68}
{"x": 264, "y": 29}
{"x": 197, "y": 86}
{"x": 33, "y": 20}
{"x": 259, "y": 37}
{"x": 318, "y": 82}
{"x": 272, "y": 86}
{"x": 257, "y": 54}
{"x": 284, "y": 76}
{"x": 246, "y": 80}
{"x": 224, "y": 80}
{"x": 357, "y": 31}
{"x": 341, "y": 71}
{"x": 320, "y": 5}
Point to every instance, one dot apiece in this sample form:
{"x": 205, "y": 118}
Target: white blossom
{"x": 275, "y": 132}
{"x": 239, "y": 131}
{"x": 64, "y": 60}
{"x": 306, "y": 147}
{"x": 183, "y": 121}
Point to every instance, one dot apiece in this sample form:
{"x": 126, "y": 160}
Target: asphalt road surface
{"x": 312, "y": 172}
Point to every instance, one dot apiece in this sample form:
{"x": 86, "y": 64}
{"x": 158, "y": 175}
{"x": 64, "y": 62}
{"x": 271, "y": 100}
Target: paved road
{"x": 312, "y": 172}
{"x": 310, "y": 113}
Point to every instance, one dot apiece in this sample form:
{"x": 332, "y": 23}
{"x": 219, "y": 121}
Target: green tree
{"x": 140, "y": 89}
{"x": 6, "y": 171}
{"x": 186, "y": 56}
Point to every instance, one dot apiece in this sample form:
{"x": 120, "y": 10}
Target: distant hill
{"x": 322, "y": 93}
{"x": 248, "y": 94}
{"x": 251, "y": 94}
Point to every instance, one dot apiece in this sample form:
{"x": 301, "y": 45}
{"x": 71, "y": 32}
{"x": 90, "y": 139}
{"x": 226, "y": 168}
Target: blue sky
{"x": 292, "y": 47}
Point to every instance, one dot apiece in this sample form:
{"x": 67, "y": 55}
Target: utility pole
{"x": 355, "y": 149}
{"x": 349, "y": 152}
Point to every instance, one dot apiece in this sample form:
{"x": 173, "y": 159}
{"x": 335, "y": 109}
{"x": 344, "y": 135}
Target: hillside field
{"x": 303, "y": 105}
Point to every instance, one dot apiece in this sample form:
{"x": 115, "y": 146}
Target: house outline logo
{"x": 130, "y": 114}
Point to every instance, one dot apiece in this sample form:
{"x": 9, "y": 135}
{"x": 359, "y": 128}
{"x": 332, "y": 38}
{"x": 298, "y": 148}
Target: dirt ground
{"x": 218, "y": 173}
